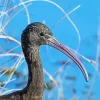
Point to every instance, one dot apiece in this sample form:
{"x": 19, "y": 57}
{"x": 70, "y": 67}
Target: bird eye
{"x": 41, "y": 34}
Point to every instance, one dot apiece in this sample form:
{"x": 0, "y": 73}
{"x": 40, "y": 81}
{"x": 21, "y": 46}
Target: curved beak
{"x": 54, "y": 43}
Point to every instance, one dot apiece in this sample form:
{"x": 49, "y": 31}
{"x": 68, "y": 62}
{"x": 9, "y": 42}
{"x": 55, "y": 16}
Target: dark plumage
{"x": 35, "y": 35}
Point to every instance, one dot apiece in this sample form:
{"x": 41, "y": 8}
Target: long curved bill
{"x": 54, "y": 43}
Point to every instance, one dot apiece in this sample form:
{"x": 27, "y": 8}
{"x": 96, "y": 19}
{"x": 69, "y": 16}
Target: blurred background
{"x": 74, "y": 23}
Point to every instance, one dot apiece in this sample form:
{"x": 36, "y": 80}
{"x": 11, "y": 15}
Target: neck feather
{"x": 35, "y": 84}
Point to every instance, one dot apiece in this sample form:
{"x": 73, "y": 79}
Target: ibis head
{"x": 37, "y": 34}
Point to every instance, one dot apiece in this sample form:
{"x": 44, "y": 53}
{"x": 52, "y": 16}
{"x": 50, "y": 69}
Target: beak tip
{"x": 87, "y": 78}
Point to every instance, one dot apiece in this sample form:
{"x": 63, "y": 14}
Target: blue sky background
{"x": 86, "y": 18}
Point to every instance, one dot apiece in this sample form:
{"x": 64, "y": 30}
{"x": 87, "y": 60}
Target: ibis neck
{"x": 35, "y": 80}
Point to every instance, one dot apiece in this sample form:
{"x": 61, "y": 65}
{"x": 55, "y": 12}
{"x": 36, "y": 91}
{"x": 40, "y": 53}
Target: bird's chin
{"x": 54, "y": 43}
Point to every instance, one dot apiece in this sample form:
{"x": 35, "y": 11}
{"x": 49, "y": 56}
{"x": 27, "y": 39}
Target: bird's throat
{"x": 35, "y": 85}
